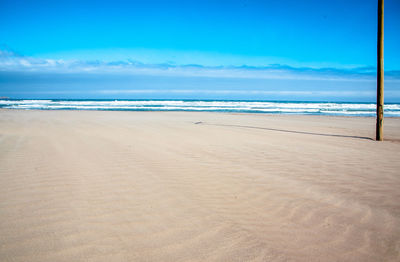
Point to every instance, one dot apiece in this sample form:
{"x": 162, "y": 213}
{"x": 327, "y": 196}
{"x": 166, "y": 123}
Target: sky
{"x": 269, "y": 50}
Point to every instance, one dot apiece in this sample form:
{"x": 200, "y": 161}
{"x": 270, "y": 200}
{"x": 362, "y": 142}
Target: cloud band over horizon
{"x": 26, "y": 76}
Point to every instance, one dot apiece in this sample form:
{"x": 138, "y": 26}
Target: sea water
{"x": 270, "y": 107}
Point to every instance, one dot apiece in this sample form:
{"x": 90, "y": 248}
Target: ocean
{"x": 234, "y": 106}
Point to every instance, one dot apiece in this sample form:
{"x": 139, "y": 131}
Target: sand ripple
{"x": 137, "y": 186}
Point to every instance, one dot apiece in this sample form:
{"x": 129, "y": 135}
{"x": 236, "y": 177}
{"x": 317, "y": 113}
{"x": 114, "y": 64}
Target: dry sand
{"x": 170, "y": 186}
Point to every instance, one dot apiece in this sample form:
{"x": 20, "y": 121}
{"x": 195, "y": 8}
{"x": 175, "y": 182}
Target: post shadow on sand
{"x": 287, "y": 131}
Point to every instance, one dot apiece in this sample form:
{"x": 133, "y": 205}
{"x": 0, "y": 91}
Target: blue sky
{"x": 289, "y": 50}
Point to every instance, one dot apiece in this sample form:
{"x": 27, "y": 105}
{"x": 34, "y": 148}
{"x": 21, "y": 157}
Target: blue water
{"x": 270, "y": 107}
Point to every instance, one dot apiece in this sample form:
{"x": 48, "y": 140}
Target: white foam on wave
{"x": 327, "y": 108}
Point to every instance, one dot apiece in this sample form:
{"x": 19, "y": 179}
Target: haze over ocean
{"x": 208, "y": 50}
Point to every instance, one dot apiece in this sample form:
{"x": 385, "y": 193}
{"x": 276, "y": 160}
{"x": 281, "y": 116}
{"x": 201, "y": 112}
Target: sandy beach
{"x": 183, "y": 186}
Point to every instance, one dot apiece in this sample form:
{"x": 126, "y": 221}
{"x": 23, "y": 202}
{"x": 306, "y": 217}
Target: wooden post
{"x": 380, "y": 75}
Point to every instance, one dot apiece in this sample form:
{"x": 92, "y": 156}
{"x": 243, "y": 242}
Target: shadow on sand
{"x": 288, "y": 131}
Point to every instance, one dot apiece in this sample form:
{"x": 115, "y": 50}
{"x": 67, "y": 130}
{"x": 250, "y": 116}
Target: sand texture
{"x": 180, "y": 186}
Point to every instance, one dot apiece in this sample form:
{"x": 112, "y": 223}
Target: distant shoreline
{"x": 197, "y": 112}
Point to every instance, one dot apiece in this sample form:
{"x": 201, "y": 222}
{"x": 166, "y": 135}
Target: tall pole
{"x": 379, "y": 93}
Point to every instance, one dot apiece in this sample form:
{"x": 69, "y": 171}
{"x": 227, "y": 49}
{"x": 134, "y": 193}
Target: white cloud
{"x": 12, "y": 62}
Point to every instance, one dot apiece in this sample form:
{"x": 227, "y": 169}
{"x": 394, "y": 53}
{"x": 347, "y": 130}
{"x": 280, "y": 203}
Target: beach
{"x": 197, "y": 186}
